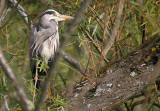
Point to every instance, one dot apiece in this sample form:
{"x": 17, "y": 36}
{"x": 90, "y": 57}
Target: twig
{"x": 66, "y": 35}
{"x": 91, "y": 39}
{"x": 6, "y": 103}
{"x": 18, "y": 88}
{"x": 108, "y": 42}
{"x": 4, "y": 14}
{"x": 94, "y": 43}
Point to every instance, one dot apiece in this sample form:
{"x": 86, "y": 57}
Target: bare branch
{"x": 108, "y": 42}
{"x": 21, "y": 11}
{"x": 73, "y": 62}
{"x": 18, "y": 88}
{"x": 66, "y": 35}
{"x": 4, "y": 14}
{"x": 6, "y": 103}
{"x": 94, "y": 43}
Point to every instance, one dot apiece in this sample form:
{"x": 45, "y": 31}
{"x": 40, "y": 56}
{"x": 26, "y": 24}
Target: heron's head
{"x": 52, "y": 14}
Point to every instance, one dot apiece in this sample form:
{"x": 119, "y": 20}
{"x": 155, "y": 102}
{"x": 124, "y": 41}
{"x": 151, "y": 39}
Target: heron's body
{"x": 44, "y": 40}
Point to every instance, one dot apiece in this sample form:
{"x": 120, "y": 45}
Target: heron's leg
{"x": 35, "y": 82}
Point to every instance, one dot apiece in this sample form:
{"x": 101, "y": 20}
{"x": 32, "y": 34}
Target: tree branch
{"x": 108, "y": 42}
{"x": 21, "y": 11}
{"x": 3, "y": 16}
{"x": 73, "y": 62}
{"x": 18, "y": 88}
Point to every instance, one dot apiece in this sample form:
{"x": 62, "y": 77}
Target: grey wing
{"x": 38, "y": 37}
{"x": 36, "y": 40}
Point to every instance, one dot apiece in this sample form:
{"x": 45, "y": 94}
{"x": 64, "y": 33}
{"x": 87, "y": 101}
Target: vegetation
{"x": 139, "y": 22}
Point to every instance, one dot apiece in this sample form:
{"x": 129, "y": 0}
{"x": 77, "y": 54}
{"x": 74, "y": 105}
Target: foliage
{"x": 97, "y": 24}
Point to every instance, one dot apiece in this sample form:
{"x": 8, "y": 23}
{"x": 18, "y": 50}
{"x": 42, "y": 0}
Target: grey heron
{"x": 44, "y": 41}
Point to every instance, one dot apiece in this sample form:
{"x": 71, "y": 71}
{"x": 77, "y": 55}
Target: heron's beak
{"x": 64, "y": 17}
{"x": 67, "y": 17}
